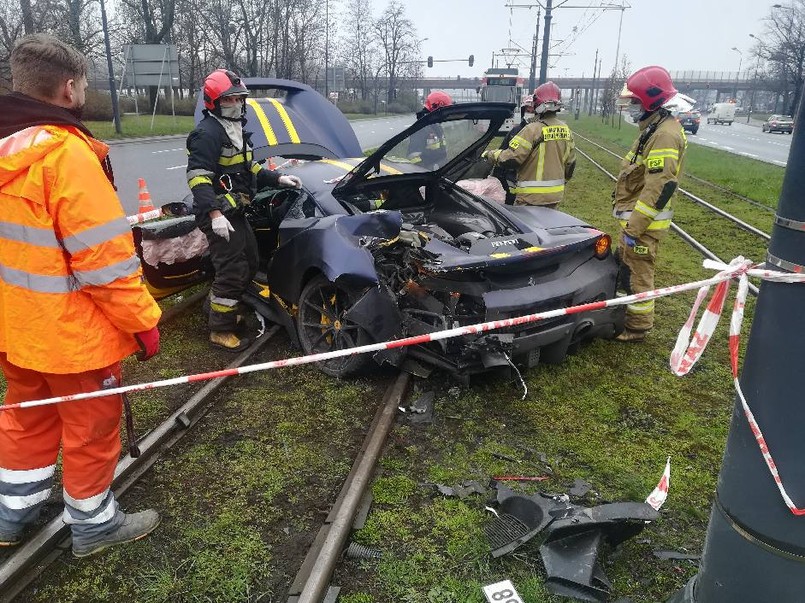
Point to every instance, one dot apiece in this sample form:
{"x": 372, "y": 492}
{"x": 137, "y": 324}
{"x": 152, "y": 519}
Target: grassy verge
{"x": 138, "y": 126}
{"x": 243, "y": 495}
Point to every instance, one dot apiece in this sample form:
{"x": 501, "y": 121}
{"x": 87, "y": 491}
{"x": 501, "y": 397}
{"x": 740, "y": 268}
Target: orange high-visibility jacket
{"x": 71, "y": 290}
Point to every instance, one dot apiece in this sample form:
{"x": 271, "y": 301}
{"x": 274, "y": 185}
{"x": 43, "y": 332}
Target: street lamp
{"x": 738, "y": 75}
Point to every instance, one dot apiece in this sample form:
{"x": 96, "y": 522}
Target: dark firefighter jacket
{"x": 649, "y": 175}
{"x": 217, "y": 171}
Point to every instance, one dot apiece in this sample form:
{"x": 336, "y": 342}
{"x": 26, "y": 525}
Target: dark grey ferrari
{"x": 383, "y": 247}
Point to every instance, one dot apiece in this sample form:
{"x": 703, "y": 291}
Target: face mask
{"x": 635, "y": 111}
{"x": 233, "y": 112}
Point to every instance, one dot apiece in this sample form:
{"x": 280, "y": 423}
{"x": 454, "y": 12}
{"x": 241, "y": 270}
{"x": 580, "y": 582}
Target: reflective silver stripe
{"x": 109, "y": 274}
{"x": 41, "y": 237}
{"x": 646, "y": 307}
{"x": 106, "y": 515}
{"x": 195, "y": 173}
{"x": 784, "y": 264}
{"x": 26, "y": 476}
{"x": 96, "y": 235}
{"x": 38, "y": 282}
{"x": 540, "y": 183}
{"x": 23, "y": 502}
{"x": 86, "y": 505}
{"x": 224, "y": 301}
{"x": 789, "y": 223}
{"x": 626, "y": 214}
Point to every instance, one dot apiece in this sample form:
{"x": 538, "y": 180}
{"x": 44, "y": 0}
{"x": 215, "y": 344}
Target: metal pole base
{"x": 739, "y": 568}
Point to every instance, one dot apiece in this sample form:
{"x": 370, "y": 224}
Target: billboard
{"x": 150, "y": 65}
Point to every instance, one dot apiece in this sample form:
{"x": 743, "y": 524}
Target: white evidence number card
{"x": 502, "y": 592}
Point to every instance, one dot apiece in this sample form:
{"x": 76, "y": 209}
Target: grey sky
{"x": 680, "y": 35}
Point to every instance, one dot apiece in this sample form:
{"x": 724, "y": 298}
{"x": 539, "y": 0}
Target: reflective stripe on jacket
{"x": 210, "y": 155}
{"x": 544, "y": 154}
{"x": 647, "y": 180}
{"x": 71, "y": 290}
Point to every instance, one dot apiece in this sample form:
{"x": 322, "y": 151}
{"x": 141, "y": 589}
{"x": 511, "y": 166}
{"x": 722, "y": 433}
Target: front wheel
{"x": 323, "y": 327}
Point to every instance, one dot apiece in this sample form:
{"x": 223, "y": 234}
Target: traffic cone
{"x": 271, "y": 164}
{"x": 146, "y": 204}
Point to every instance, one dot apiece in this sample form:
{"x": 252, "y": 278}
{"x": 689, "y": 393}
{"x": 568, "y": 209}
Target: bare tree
{"x": 397, "y": 38}
{"x": 612, "y": 87}
{"x": 782, "y": 49}
{"x": 359, "y": 44}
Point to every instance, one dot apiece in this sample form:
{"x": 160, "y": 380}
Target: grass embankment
{"x": 243, "y": 495}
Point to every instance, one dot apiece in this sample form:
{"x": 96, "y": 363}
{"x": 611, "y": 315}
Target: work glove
{"x": 290, "y": 181}
{"x": 628, "y": 241}
{"x": 149, "y": 343}
{"x": 222, "y": 227}
{"x": 488, "y": 156}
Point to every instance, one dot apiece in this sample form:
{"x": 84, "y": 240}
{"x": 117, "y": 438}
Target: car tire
{"x": 321, "y": 326}
{"x": 694, "y": 130}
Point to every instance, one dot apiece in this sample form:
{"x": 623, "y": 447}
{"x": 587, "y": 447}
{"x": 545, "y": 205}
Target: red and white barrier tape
{"x": 687, "y": 351}
{"x": 140, "y": 218}
{"x": 386, "y": 345}
{"x": 660, "y": 493}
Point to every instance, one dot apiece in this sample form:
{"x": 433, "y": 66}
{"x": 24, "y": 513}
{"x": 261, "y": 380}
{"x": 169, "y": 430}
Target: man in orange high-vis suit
{"x": 72, "y": 303}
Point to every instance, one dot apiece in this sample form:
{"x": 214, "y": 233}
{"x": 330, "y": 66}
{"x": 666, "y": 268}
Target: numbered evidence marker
{"x": 502, "y": 592}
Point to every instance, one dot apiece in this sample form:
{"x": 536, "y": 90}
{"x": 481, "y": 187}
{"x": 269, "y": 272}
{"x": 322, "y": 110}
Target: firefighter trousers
{"x": 637, "y": 266}
{"x": 88, "y": 432}
{"x": 235, "y": 263}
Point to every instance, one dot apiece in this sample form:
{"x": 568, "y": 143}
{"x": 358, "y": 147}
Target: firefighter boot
{"x": 134, "y": 527}
{"x": 10, "y": 538}
{"x": 629, "y": 336}
{"x": 229, "y": 341}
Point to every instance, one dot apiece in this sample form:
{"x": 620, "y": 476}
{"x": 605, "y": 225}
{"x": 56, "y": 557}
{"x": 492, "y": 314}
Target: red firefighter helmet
{"x": 651, "y": 85}
{"x": 221, "y": 83}
{"x": 547, "y": 97}
{"x": 437, "y": 99}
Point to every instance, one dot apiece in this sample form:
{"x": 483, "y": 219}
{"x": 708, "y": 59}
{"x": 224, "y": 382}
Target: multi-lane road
{"x": 162, "y": 161}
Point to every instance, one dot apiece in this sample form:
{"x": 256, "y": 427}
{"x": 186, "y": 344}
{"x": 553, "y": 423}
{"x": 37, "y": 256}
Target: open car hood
{"x": 290, "y": 119}
{"x": 488, "y": 116}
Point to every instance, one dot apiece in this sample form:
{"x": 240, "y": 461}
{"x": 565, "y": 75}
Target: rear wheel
{"x": 322, "y": 326}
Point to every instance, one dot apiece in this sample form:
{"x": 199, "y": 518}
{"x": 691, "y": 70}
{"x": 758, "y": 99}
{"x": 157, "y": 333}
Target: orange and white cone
{"x": 146, "y": 204}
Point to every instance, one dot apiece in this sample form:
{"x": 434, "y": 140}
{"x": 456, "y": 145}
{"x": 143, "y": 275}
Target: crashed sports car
{"x": 382, "y": 247}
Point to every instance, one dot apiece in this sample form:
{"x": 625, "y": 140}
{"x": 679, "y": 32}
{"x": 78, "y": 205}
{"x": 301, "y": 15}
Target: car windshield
{"x": 436, "y": 145}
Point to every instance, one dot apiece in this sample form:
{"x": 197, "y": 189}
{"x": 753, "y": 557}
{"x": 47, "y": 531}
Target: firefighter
{"x": 543, "y": 153}
{"x": 647, "y": 181}
{"x": 427, "y": 146}
{"x": 508, "y": 177}
{"x": 221, "y": 176}
{"x": 72, "y": 304}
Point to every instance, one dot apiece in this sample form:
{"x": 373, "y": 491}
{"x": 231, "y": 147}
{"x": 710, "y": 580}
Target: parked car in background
{"x": 689, "y": 120}
{"x": 722, "y": 113}
{"x": 383, "y": 247}
{"x": 778, "y": 123}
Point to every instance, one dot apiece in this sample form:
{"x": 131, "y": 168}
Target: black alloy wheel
{"x": 322, "y": 326}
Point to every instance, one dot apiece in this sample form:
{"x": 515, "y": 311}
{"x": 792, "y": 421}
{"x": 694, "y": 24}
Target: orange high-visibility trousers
{"x": 87, "y": 430}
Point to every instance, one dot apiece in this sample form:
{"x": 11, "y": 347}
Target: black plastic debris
{"x": 572, "y": 567}
{"x": 676, "y": 555}
{"x": 462, "y": 490}
{"x": 572, "y": 545}
{"x": 519, "y": 519}
{"x": 579, "y": 488}
{"x": 421, "y": 410}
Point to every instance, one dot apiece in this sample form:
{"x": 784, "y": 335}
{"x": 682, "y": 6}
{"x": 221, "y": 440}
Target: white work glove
{"x": 487, "y": 156}
{"x": 290, "y": 181}
{"x": 222, "y": 227}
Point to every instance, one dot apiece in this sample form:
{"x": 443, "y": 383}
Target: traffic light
{"x": 430, "y": 61}
{"x": 472, "y": 59}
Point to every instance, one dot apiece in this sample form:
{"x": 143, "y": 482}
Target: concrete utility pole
{"x": 755, "y": 545}
{"x": 546, "y": 38}
{"x": 112, "y": 88}
{"x": 532, "y": 74}
{"x": 592, "y": 91}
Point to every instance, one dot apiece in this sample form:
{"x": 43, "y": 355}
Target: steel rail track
{"x": 698, "y": 200}
{"x": 312, "y": 582}
{"x": 690, "y": 240}
{"x": 44, "y": 547}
